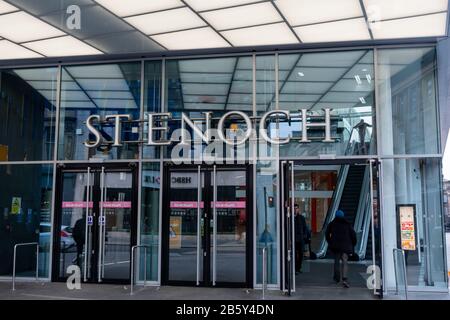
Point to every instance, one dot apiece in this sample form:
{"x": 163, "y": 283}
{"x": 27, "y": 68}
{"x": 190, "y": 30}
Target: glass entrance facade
{"x": 377, "y": 104}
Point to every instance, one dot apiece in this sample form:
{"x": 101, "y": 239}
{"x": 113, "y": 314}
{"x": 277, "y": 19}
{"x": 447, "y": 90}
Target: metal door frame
{"x": 210, "y": 193}
{"x": 95, "y": 169}
{"x": 287, "y": 270}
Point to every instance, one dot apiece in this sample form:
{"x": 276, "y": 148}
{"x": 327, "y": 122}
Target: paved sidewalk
{"x": 59, "y": 291}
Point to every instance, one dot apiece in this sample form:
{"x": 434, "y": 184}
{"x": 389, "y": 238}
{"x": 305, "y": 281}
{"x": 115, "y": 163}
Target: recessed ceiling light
{"x": 302, "y": 12}
{"x": 191, "y": 39}
{"x": 278, "y": 33}
{"x": 9, "y": 50}
{"x": 124, "y": 8}
{"x": 166, "y": 21}
{"x": 22, "y": 27}
{"x": 301, "y": 74}
{"x": 200, "y": 5}
{"x": 391, "y": 9}
{"x": 363, "y": 101}
{"x": 62, "y": 46}
{"x": 358, "y": 79}
{"x": 243, "y": 16}
{"x": 432, "y": 25}
{"x": 343, "y": 30}
{"x": 6, "y": 7}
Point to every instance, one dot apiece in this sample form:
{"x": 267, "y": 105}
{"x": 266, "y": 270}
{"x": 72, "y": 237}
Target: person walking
{"x": 78, "y": 234}
{"x": 300, "y": 237}
{"x": 341, "y": 238}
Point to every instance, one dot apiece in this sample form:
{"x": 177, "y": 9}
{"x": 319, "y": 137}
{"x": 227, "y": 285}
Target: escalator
{"x": 352, "y": 191}
{"x": 350, "y": 196}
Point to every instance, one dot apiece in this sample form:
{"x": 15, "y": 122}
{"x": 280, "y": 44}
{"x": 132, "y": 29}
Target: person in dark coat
{"x": 300, "y": 237}
{"x": 78, "y": 234}
{"x": 341, "y": 238}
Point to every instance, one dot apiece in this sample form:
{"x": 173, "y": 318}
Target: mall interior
{"x": 371, "y": 75}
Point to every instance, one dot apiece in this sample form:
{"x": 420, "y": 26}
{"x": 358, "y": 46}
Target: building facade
{"x": 214, "y": 151}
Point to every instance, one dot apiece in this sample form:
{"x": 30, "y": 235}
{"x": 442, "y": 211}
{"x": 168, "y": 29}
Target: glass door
{"x": 229, "y": 232}
{"x": 185, "y": 227}
{"x": 287, "y": 222}
{"x": 206, "y": 229}
{"x": 95, "y": 222}
{"x": 375, "y": 281}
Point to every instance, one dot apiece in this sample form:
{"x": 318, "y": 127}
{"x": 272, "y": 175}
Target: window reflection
{"x": 218, "y": 85}
{"x": 101, "y": 90}
{"x": 27, "y": 107}
{"x": 341, "y": 81}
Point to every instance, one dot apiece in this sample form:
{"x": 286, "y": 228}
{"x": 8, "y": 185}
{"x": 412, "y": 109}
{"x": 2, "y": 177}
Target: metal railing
{"x": 264, "y": 272}
{"x": 133, "y": 249}
{"x": 399, "y": 261}
{"x": 14, "y": 260}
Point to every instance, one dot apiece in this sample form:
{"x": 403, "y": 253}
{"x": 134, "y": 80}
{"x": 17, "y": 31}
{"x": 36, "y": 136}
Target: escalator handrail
{"x": 337, "y": 194}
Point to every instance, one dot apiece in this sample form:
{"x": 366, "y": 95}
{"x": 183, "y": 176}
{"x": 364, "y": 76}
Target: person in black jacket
{"x": 341, "y": 240}
{"x": 300, "y": 236}
{"x": 78, "y": 234}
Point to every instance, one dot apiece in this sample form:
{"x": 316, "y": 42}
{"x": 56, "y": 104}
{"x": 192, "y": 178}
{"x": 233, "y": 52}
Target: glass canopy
{"x": 58, "y": 28}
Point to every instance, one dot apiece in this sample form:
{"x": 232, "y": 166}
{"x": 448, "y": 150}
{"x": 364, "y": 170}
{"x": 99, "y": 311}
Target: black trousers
{"x": 79, "y": 253}
{"x": 299, "y": 252}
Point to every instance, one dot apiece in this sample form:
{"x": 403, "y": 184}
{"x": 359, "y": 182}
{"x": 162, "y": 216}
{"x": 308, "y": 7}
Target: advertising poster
{"x": 16, "y": 204}
{"x": 175, "y": 233}
{"x": 407, "y": 227}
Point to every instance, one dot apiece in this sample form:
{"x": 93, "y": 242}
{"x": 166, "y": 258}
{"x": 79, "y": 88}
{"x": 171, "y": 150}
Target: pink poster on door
{"x": 117, "y": 204}
{"x": 76, "y": 204}
{"x": 229, "y": 204}
{"x": 185, "y": 204}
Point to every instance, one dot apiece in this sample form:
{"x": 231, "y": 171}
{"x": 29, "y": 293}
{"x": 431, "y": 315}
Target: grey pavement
{"x": 59, "y": 291}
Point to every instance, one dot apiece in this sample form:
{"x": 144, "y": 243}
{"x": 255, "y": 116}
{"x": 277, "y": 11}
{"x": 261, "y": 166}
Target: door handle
{"x": 86, "y": 227}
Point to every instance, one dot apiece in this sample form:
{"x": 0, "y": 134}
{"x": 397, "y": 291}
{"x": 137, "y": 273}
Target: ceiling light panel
{"x": 48, "y": 74}
{"x": 330, "y": 59}
{"x": 345, "y": 30}
{"x": 111, "y": 71}
{"x": 124, "y": 8}
{"x": 218, "y": 65}
{"x": 317, "y": 74}
{"x": 301, "y": 12}
{"x": 207, "y": 78}
{"x": 388, "y": 9}
{"x": 74, "y": 96}
{"x": 204, "y": 99}
{"x": 6, "y": 7}
{"x": 243, "y": 16}
{"x": 124, "y": 95}
{"x": 306, "y": 87}
{"x": 9, "y": 50}
{"x": 22, "y": 27}
{"x": 103, "y": 84}
{"x": 191, "y": 39}
{"x": 205, "y": 88}
{"x": 341, "y": 97}
{"x": 62, "y": 46}
{"x": 166, "y": 21}
{"x": 353, "y": 85}
{"x": 200, "y": 5}
{"x": 421, "y": 26}
{"x": 77, "y": 105}
{"x": 278, "y": 33}
{"x": 201, "y": 106}
{"x": 299, "y": 97}
{"x": 115, "y": 104}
